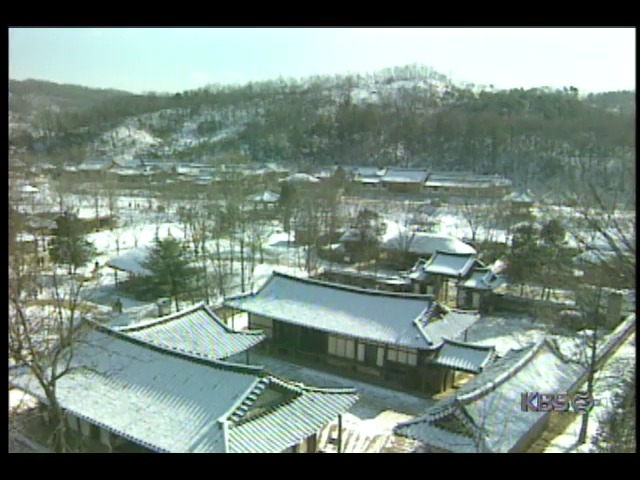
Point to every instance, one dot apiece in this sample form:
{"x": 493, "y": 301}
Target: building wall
{"x": 389, "y": 365}
{"x": 403, "y": 187}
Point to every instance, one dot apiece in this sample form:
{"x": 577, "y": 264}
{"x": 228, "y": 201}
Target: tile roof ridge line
{"x": 241, "y": 399}
{"x": 418, "y": 325}
{"x": 455, "y": 254}
{"x": 350, "y": 288}
{"x": 219, "y": 364}
{"x": 159, "y": 320}
{"x": 503, "y": 377}
{"x": 469, "y": 345}
{"x": 301, "y": 386}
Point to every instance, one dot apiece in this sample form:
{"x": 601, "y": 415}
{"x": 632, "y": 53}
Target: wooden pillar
{"x": 339, "y": 433}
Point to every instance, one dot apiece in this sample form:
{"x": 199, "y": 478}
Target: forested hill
{"x": 409, "y": 116}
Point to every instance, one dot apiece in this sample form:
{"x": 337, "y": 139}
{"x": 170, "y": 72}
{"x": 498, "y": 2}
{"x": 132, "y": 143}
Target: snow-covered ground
{"x": 505, "y": 332}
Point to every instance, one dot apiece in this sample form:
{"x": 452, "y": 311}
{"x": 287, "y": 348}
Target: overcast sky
{"x": 172, "y": 60}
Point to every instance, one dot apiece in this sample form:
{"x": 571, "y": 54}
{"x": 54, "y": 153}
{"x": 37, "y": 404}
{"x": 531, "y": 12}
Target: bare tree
{"x": 605, "y": 232}
{"x": 43, "y": 342}
{"x": 478, "y": 214}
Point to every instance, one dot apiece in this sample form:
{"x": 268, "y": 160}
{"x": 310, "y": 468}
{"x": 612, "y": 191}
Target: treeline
{"x": 408, "y": 116}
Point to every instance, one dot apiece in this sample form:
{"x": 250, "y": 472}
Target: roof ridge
{"x": 159, "y": 320}
{"x": 453, "y": 254}
{"x": 339, "y": 286}
{"x": 469, "y": 345}
{"x": 503, "y": 377}
{"x": 220, "y": 364}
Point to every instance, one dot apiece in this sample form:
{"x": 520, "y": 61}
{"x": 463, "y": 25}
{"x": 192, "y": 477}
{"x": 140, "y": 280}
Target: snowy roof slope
{"x": 464, "y": 356}
{"x": 483, "y": 279}
{"x": 196, "y": 331}
{"x": 131, "y": 261}
{"x": 427, "y": 243}
{"x": 520, "y": 197}
{"x": 300, "y": 178}
{"x": 405, "y": 175}
{"x": 374, "y": 315}
{"x": 450, "y": 264}
{"x": 154, "y": 399}
{"x": 170, "y": 403}
{"x": 264, "y": 197}
{"x": 449, "y": 327}
{"x": 399, "y": 319}
{"x": 492, "y": 400}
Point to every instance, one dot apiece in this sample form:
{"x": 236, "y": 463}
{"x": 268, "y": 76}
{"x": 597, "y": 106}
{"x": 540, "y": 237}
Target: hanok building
{"x": 131, "y": 263}
{"x": 126, "y": 395}
{"x": 473, "y": 292}
{"x": 96, "y": 169}
{"x": 433, "y": 276}
{"x": 487, "y": 413}
{"x": 520, "y": 203}
{"x": 386, "y": 338}
{"x": 409, "y": 247}
{"x": 454, "y": 184}
{"x": 368, "y": 177}
{"x": 264, "y": 201}
{"x": 404, "y": 180}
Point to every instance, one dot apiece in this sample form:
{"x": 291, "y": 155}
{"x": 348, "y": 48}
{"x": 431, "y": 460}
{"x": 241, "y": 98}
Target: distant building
{"x": 387, "y": 338}
{"x": 520, "y": 203}
{"x": 454, "y": 184}
{"x": 404, "y": 179}
{"x": 410, "y": 246}
{"x": 473, "y": 280}
{"x": 96, "y": 169}
{"x": 368, "y": 177}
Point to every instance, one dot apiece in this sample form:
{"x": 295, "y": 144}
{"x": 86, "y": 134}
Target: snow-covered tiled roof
{"x": 264, "y": 197}
{"x": 369, "y": 314}
{"x": 96, "y": 164}
{"x": 450, "y": 327}
{"x": 465, "y": 180}
{"x": 483, "y": 279}
{"x": 393, "y": 318}
{"x": 492, "y": 399}
{"x": 196, "y": 331}
{"x": 520, "y": 197}
{"x": 29, "y": 189}
{"x": 131, "y": 261}
{"x": 300, "y": 178}
{"x": 170, "y": 403}
{"x": 405, "y": 175}
{"x": 450, "y": 264}
{"x": 427, "y": 244}
{"x": 464, "y": 356}
{"x": 306, "y": 413}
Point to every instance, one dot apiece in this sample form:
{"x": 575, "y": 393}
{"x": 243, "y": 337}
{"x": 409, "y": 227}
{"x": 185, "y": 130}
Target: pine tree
{"x": 69, "y": 245}
{"x": 171, "y": 272}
